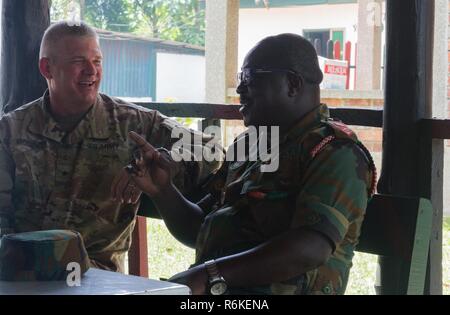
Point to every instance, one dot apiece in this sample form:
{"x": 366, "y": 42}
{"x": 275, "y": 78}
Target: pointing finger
{"x": 141, "y": 142}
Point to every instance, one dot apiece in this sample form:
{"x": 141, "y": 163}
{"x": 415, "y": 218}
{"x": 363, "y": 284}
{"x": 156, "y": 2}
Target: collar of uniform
{"x": 308, "y": 121}
{"x": 95, "y": 122}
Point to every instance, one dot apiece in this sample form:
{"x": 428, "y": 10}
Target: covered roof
{"x": 157, "y": 42}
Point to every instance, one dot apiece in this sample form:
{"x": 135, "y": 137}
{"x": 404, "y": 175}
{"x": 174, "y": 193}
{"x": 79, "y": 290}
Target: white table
{"x": 96, "y": 282}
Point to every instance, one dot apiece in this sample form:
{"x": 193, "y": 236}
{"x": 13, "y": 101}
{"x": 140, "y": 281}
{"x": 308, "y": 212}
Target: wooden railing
{"x": 350, "y": 116}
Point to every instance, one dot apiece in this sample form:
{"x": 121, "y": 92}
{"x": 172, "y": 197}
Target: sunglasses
{"x": 247, "y": 75}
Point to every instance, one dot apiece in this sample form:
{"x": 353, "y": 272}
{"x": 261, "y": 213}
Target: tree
{"x": 61, "y": 9}
{"x": 113, "y": 15}
{"x": 178, "y": 20}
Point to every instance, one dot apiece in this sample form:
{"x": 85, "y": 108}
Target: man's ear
{"x": 295, "y": 85}
{"x": 44, "y": 68}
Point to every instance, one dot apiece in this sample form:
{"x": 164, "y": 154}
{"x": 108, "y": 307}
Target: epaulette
{"x": 342, "y": 131}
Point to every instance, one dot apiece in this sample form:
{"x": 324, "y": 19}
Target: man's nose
{"x": 241, "y": 88}
{"x": 90, "y": 68}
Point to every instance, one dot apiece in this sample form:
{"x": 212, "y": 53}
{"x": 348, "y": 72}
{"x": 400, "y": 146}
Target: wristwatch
{"x": 217, "y": 284}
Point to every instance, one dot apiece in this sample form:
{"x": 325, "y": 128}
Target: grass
{"x": 446, "y": 257}
{"x": 167, "y": 257}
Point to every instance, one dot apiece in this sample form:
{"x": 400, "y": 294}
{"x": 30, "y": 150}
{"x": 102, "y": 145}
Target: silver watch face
{"x": 218, "y": 288}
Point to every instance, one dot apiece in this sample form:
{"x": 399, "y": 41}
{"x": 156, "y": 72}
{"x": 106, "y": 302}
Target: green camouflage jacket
{"x": 50, "y": 179}
{"x": 324, "y": 180}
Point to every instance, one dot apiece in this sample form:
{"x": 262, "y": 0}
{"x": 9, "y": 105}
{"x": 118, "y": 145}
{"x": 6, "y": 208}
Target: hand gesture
{"x": 150, "y": 173}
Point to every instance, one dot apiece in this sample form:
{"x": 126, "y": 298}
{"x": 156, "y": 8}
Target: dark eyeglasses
{"x": 247, "y": 75}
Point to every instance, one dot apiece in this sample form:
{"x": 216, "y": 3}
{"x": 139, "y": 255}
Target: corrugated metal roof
{"x": 156, "y": 42}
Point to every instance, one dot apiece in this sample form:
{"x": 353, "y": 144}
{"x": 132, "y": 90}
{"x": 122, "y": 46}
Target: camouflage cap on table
{"x": 41, "y": 255}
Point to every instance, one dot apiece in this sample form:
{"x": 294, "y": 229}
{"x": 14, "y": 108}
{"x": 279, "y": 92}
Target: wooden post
{"x": 439, "y": 109}
{"x": 369, "y": 44}
{"x": 221, "y": 48}
{"x": 23, "y": 25}
{"x": 348, "y": 57}
{"x": 407, "y": 153}
{"x": 138, "y": 253}
{"x": 221, "y": 41}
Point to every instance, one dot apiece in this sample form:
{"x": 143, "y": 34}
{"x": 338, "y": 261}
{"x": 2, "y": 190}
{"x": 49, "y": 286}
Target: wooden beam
{"x": 197, "y": 110}
{"x": 407, "y": 164}
{"x": 436, "y": 128}
{"x": 350, "y": 116}
{"x": 358, "y": 116}
{"x": 23, "y": 24}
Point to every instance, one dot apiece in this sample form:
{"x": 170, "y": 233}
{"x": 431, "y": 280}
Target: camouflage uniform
{"x": 323, "y": 183}
{"x": 51, "y": 179}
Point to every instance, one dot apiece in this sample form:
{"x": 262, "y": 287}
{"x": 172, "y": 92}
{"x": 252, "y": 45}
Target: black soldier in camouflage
{"x": 292, "y": 231}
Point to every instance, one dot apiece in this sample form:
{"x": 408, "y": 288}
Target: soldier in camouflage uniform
{"x": 292, "y": 231}
{"x": 60, "y": 153}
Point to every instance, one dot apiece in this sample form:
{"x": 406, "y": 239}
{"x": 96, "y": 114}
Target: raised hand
{"x": 150, "y": 173}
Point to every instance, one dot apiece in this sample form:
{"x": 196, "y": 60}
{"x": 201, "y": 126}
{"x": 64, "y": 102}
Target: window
{"x": 320, "y": 38}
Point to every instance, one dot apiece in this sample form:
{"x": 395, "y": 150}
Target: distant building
{"x": 323, "y": 20}
{"x": 149, "y": 69}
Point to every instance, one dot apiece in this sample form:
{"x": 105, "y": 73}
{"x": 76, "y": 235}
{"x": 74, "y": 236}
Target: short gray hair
{"x": 56, "y": 31}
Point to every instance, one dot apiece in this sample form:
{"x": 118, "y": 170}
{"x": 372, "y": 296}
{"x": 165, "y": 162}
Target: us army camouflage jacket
{"x": 51, "y": 179}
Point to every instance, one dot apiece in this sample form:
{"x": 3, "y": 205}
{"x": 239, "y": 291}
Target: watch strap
{"x": 212, "y": 270}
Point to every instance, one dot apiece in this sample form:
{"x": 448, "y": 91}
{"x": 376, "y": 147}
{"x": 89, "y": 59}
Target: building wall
{"x": 180, "y": 78}
{"x": 128, "y": 69}
{"x": 255, "y": 24}
{"x": 140, "y": 70}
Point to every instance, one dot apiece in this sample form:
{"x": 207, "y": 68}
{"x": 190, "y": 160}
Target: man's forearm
{"x": 282, "y": 258}
{"x": 182, "y": 217}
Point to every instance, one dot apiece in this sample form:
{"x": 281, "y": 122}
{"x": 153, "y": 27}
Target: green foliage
{"x": 177, "y": 20}
{"x": 446, "y": 256}
{"x": 113, "y": 15}
{"x": 61, "y": 9}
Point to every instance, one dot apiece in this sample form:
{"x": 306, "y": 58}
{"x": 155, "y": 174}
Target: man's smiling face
{"x": 76, "y": 70}
{"x": 263, "y": 90}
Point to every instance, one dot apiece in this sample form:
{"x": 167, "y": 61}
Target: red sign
{"x": 338, "y": 70}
